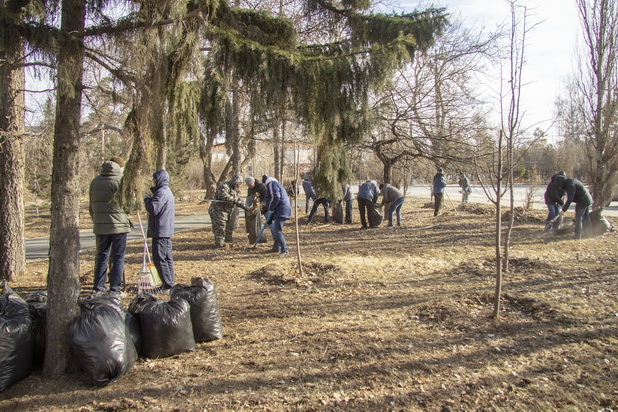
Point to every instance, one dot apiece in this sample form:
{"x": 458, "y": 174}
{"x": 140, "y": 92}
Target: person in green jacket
{"x": 110, "y": 225}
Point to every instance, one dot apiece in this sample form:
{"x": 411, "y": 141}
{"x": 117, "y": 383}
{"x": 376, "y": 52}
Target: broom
{"x": 149, "y": 277}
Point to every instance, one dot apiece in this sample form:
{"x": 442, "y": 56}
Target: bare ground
{"x": 385, "y": 319}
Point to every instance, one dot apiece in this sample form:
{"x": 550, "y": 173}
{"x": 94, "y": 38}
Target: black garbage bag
{"x": 101, "y": 341}
{"x": 130, "y": 321}
{"x": 37, "y": 305}
{"x": 378, "y": 215}
{"x": 15, "y": 338}
{"x": 338, "y": 212}
{"x": 205, "y": 315}
{"x": 165, "y": 325}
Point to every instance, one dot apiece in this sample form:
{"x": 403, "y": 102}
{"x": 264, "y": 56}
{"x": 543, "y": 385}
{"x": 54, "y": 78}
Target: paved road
{"x": 38, "y": 248}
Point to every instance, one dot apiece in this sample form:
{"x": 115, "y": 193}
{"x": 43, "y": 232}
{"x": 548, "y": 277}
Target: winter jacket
{"x": 390, "y": 194}
{"x": 439, "y": 183}
{"x": 369, "y": 190}
{"x": 259, "y": 188}
{"x": 160, "y": 207}
{"x": 228, "y": 196}
{"x": 308, "y": 188}
{"x": 107, "y": 218}
{"x": 464, "y": 183}
{"x": 347, "y": 193}
{"x": 277, "y": 199}
{"x": 576, "y": 192}
{"x": 553, "y": 193}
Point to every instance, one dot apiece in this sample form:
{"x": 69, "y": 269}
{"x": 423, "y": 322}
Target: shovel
{"x": 263, "y": 227}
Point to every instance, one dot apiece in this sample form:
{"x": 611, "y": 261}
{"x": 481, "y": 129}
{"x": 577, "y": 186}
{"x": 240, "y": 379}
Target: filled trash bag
{"x": 101, "y": 341}
{"x": 205, "y": 315}
{"x": 37, "y": 305}
{"x": 378, "y": 215}
{"x": 129, "y": 320}
{"x": 165, "y": 325}
{"x": 15, "y": 338}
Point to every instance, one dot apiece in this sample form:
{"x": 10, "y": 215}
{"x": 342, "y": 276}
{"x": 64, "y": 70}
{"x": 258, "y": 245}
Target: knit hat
{"x": 440, "y": 170}
{"x": 249, "y": 180}
{"x": 264, "y": 178}
{"x": 117, "y": 160}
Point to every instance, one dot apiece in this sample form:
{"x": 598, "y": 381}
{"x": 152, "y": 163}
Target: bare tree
{"x": 597, "y": 87}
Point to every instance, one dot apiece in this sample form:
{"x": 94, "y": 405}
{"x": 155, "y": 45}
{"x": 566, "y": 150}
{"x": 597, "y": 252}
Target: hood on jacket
{"x": 161, "y": 178}
{"x": 560, "y": 180}
{"x": 235, "y": 180}
{"x": 109, "y": 168}
{"x": 270, "y": 179}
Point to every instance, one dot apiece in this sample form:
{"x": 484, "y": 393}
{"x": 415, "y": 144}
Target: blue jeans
{"x": 582, "y": 220}
{"x": 276, "y": 229}
{"x": 554, "y": 210}
{"x": 117, "y": 245}
{"x": 163, "y": 260}
{"x": 395, "y": 207}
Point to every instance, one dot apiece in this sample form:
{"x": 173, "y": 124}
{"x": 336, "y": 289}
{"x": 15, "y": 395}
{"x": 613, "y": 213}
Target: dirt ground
{"x": 387, "y": 319}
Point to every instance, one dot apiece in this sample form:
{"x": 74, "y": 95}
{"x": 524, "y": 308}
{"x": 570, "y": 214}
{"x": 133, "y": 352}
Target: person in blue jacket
{"x": 367, "y": 197}
{"x": 160, "y": 207}
{"x": 439, "y": 183}
{"x": 279, "y": 210}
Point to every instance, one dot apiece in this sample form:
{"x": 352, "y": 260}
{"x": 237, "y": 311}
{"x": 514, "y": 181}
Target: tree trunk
{"x": 206, "y": 156}
{"x": 63, "y": 278}
{"x": 12, "y": 246}
{"x": 276, "y": 146}
{"x": 234, "y": 132}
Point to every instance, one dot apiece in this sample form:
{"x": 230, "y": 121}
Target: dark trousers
{"x": 116, "y": 245}
{"x": 395, "y": 207}
{"x": 318, "y": 202}
{"x": 437, "y": 199}
{"x": 582, "y": 220}
{"x": 366, "y": 206}
{"x": 348, "y": 211}
{"x": 162, "y": 259}
{"x": 276, "y": 228}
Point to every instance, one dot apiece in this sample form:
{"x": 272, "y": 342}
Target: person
{"x": 348, "y": 198}
{"x": 576, "y": 192}
{"x": 256, "y": 194}
{"x": 221, "y": 211}
{"x": 279, "y": 210}
{"x": 160, "y": 208}
{"x": 394, "y": 197}
{"x": 466, "y": 188}
{"x": 110, "y": 226}
{"x": 319, "y": 201}
{"x": 554, "y": 202}
{"x": 309, "y": 192}
{"x": 368, "y": 194}
{"x": 439, "y": 183}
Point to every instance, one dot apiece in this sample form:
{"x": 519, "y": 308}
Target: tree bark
{"x": 12, "y": 245}
{"x": 63, "y": 278}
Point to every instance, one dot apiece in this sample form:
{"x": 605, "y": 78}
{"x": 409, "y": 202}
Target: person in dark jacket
{"x": 348, "y": 198}
{"x": 576, "y": 192}
{"x": 221, "y": 211}
{"x": 279, "y": 210}
{"x": 160, "y": 208}
{"x": 256, "y": 195}
{"x": 439, "y": 183}
{"x": 466, "y": 188}
{"x": 367, "y": 197}
{"x": 319, "y": 201}
{"x": 395, "y": 199}
{"x": 309, "y": 192}
{"x": 554, "y": 202}
{"x": 110, "y": 225}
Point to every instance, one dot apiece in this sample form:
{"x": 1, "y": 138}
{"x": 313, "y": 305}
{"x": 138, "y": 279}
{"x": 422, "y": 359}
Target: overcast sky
{"x": 550, "y": 47}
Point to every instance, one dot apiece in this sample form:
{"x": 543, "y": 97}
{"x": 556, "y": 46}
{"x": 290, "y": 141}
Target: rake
{"x": 148, "y": 278}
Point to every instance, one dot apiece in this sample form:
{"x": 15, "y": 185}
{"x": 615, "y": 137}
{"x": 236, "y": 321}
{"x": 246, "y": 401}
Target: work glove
{"x": 147, "y": 198}
{"x": 245, "y": 208}
{"x": 561, "y": 212}
{"x": 269, "y": 217}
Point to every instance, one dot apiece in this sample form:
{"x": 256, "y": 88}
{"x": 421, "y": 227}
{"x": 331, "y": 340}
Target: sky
{"x": 550, "y": 48}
